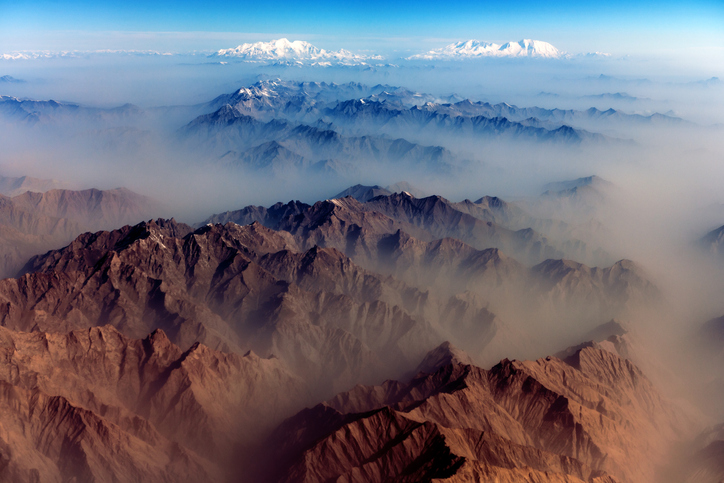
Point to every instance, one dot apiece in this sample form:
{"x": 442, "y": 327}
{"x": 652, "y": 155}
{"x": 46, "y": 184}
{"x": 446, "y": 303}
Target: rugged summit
{"x": 236, "y": 288}
{"x": 461, "y": 247}
{"x": 591, "y": 417}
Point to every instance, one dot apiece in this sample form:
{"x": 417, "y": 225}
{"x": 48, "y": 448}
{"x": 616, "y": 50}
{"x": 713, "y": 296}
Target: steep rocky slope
{"x": 487, "y": 223}
{"x": 236, "y": 288}
{"x": 431, "y": 244}
{"x": 102, "y": 407}
{"x": 590, "y": 417}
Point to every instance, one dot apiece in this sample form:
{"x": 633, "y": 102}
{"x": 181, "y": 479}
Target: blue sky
{"x": 619, "y": 26}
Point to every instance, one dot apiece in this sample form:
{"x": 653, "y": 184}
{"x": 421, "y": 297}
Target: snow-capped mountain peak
{"x": 529, "y": 48}
{"x": 273, "y": 50}
{"x": 476, "y": 48}
{"x": 286, "y": 50}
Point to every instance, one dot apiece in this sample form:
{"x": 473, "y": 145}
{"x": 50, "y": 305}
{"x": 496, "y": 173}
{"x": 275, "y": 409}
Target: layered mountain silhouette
{"x": 34, "y": 221}
{"x": 486, "y": 223}
{"x": 383, "y": 334}
{"x": 163, "y": 352}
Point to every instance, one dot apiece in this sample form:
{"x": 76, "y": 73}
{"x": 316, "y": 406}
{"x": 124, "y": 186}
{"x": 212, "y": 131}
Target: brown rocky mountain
{"x": 192, "y": 401}
{"x": 237, "y": 288}
{"x": 427, "y": 219}
{"x": 35, "y": 222}
{"x": 613, "y": 286}
{"x": 707, "y": 463}
{"x": 399, "y": 235}
{"x": 331, "y": 296}
{"x": 487, "y": 223}
{"x": 139, "y": 276}
{"x": 97, "y": 406}
{"x": 591, "y": 417}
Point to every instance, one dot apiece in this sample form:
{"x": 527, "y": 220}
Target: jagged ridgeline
{"x": 277, "y": 126}
{"x": 250, "y": 324}
{"x": 383, "y": 334}
{"x": 287, "y": 128}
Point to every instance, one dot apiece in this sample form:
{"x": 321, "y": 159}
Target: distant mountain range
{"x": 301, "y": 51}
{"x": 475, "y": 48}
{"x": 12, "y": 186}
{"x": 8, "y": 79}
{"x": 713, "y": 242}
{"x": 278, "y": 125}
{"x": 284, "y": 128}
{"x": 298, "y": 50}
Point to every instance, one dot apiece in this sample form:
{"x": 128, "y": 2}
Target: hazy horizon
{"x": 560, "y": 195}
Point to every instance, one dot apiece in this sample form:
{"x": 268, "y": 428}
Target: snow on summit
{"x": 476, "y": 48}
{"x": 285, "y": 50}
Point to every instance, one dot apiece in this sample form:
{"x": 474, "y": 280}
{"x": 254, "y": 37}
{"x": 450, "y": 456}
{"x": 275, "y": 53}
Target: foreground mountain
{"x": 591, "y": 417}
{"x": 474, "y": 49}
{"x": 236, "y": 288}
{"x": 96, "y": 406}
{"x": 330, "y": 295}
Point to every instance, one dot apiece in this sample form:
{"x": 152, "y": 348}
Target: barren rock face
{"x": 234, "y": 289}
{"x": 450, "y": 249}
{"x": 157, "y": 352}
{"x": 591, "y": 417}
{"x": 98, "y": 406}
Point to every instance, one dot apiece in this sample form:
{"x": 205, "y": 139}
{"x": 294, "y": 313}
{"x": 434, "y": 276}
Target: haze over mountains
{"x": 35, "y": 221}
{"x": 322, "y": 297}
{"x": 337, "y": 133}
{"x": 286, "y": 263}
{"x": 322, "y": 323}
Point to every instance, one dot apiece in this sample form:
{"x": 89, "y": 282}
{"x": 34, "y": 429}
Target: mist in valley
{"x": 156, "y": 125}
